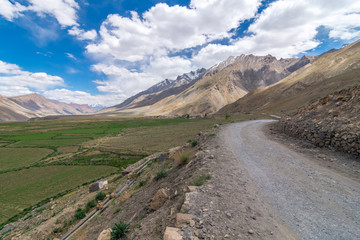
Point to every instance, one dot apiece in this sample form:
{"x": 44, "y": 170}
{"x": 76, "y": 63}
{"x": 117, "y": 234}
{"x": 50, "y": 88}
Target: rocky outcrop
{"x": 332, "y": 121}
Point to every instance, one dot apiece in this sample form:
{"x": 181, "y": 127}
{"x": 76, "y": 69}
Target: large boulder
{"x": 159, "y": 199}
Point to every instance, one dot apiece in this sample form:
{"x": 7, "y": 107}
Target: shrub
{"x": 89, "y": 205}
{"x": 183, "y": 158}
{"x": 201, "y": 179}
{"x": 80, "y": 213}
{"x": 227, "y": 116}
{"x": 194, "y": 143}
{"x": 119, "y": 230}
{"x": 161, "y": 174}
{"x": 142, "y": 183}
{"x": 100, "y": 196}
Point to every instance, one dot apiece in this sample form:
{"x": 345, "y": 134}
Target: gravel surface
{"x": 315, "y": 201}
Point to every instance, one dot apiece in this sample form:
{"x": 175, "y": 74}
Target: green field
{"x": 20, "y": 157}
{"x": 42, "y": 158}
{"x": 22, "y": 189}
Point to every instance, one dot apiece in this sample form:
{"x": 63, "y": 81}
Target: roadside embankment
{"x": 332, "y": 121}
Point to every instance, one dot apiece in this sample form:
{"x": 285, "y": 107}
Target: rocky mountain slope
{"x": 220, "y": 85}
{"x": 330, "y": 72}
{"x": 21, "y": 108}
{"x": 332, "y": 121}
{"x": 160, "y": 91}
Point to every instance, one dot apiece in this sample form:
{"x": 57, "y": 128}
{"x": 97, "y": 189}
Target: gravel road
{"x": 314, "y": 201}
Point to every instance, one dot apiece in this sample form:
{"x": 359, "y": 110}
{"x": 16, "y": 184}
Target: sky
{"x": 102, "y": 52}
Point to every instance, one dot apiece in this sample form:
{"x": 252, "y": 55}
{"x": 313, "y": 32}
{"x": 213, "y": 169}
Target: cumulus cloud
{"x": 170, "y": 28}
{"x": 287, "y": 28}
{"x": 63, "y": 10}
{"x": 10, "y": 10}
{"x": 147, "y": 41}
{"x": 15, "y": 81}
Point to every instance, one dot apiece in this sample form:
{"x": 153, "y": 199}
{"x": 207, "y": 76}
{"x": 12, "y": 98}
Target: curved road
{"x": 315, "y": 202}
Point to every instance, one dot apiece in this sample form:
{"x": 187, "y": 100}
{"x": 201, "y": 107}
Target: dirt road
{"x": 314, "y": 201}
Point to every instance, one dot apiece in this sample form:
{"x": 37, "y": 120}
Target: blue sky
{"x": 101, "y": 52}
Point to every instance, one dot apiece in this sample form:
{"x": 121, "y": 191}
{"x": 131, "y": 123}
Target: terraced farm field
{"x": 43, "y": 158}
{"x": 20, "y": 157}
{"x": 24, "y": 188}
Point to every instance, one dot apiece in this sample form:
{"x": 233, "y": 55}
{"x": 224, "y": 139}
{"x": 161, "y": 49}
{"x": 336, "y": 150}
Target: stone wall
{"x": 338, "y": 137}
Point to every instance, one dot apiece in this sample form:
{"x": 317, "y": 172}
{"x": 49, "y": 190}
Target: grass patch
{"x": 11, "y": 158}
{"x": 22, "y": 189}
{"x": 117, "y": 210}
{"x": 200, "y": 180}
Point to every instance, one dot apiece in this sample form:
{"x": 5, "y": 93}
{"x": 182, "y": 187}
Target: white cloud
{"x": 80, "y": 97}
{"x": 164, "y": 28}
{"x": 15, "y": 81}
{"x": 69, "y": 55}
{"x": 287, "y": 28}
{"x": 10, "y": 10}
{"x": 63, "y": 10}
{"x": 146, "y": 41}
{"x": 82, "y": 34}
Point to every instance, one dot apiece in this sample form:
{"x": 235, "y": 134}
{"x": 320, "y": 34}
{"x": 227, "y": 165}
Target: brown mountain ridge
{"x": 21, "y": 108}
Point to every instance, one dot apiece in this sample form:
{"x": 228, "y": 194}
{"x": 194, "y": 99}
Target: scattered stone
{"x": 172, "y": 234}
{"x": 159, "y": 199}
{"x": 105, "y": 235}
{"x": 183, "y": 219}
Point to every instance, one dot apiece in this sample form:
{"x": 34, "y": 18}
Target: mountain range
{"x": 242, "y": 84}
{"x": 206, "y": 91}
{"x": 330, "y": 72}
{"x": 33, "y": 105}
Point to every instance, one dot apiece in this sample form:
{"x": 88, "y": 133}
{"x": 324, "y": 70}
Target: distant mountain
{"x": 210, "y": 89}
{"x": 21, "y": 108}
{"x": 160, "y": 91}
{"x": 330, "y": 72}
{"x": 10, "y": 111}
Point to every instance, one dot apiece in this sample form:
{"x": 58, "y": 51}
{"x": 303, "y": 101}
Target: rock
{"x": 172, "y": 234}
{"x": 321, "y": 156}
{"x": 251, "y": 231}
{"x": 159, "y": 199}
{"x": 183, "y": 219}
{"x": 192, "y": 188}
{"x": 112, "y": 195}
{"x": 226, "y": 236}
{"x": 105, "y": 235}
